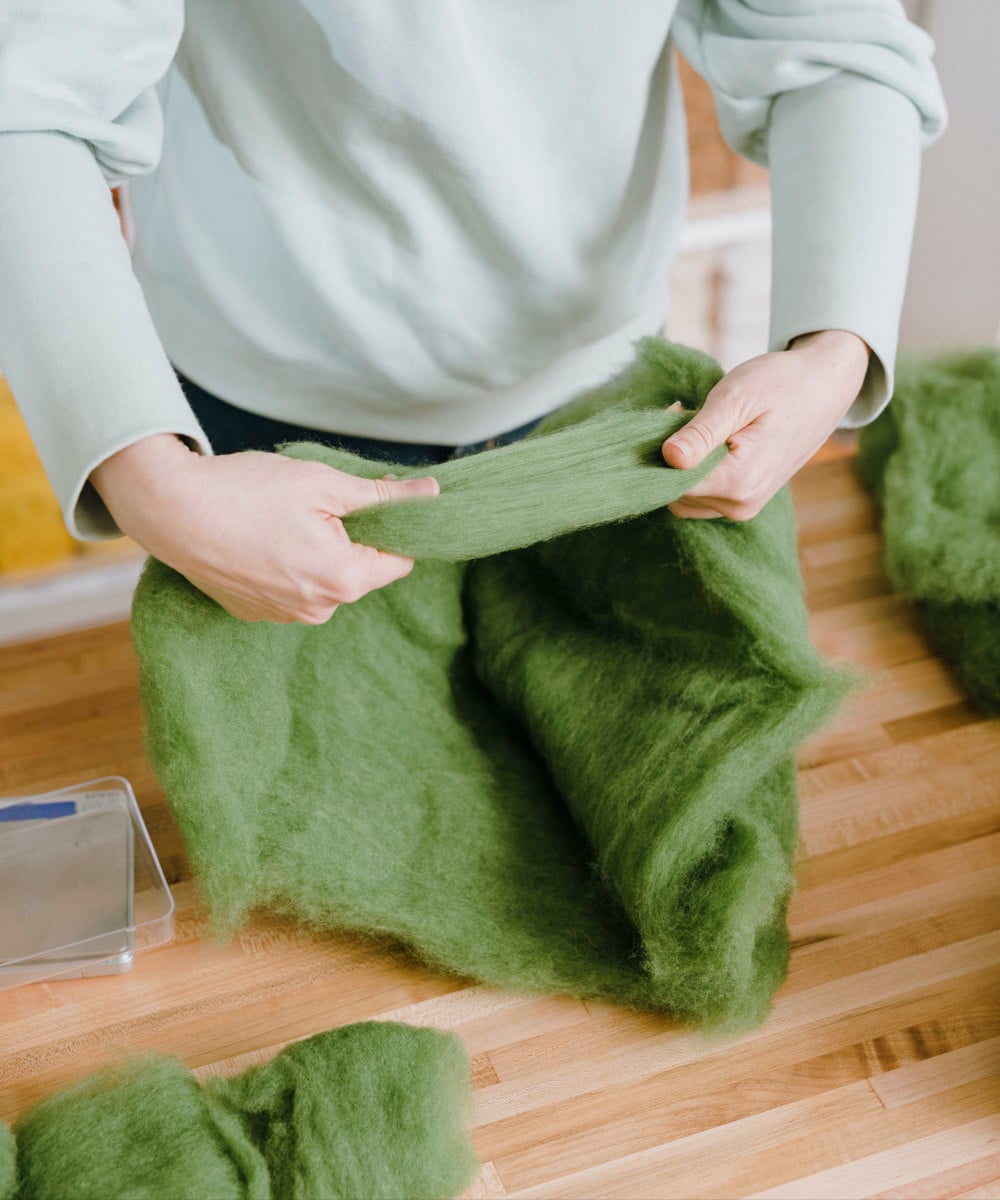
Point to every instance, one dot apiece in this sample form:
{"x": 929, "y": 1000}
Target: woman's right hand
{"x": 259, "y": 533}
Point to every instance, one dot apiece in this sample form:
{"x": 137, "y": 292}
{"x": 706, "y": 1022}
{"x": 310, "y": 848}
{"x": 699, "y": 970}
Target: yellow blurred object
{"x": 32, "y": 532}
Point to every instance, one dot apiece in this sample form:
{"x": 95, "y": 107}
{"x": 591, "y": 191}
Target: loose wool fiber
{"x": 559, "y": 756}
{"x": 367, "y": 1111}
{"x": 932, "y": 459}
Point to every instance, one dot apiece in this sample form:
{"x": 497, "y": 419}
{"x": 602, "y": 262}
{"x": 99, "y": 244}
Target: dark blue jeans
{"x": 231, "y": 429}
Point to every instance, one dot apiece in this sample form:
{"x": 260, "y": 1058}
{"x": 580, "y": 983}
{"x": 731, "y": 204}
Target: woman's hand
{"x": 775, "y": 411}
{"x": 259, "y": 533}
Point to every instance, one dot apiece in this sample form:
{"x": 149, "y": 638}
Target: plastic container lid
{"x": 81, "y": 889}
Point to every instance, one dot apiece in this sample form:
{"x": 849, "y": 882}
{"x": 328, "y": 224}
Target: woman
{"x": 416, "y": 227}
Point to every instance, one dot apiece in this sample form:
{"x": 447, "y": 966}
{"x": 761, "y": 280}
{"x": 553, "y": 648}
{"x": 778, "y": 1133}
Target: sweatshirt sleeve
{"x": 78, "y": 112}
{"x": 838, "y": 98}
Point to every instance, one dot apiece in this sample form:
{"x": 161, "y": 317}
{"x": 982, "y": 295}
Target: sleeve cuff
{"x": 875, "y": 393}
{"x": 85, "y": 513}
{"x": 845, "y": 166}
{"x": 876, "y": 388}
{"x": 77, "y": 343}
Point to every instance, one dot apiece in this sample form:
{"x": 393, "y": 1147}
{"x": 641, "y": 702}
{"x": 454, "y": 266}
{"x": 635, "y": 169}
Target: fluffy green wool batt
{"x": 369, "y": 1110}
{"x": 558, "y": 756}
{"x": 932, "y": 459}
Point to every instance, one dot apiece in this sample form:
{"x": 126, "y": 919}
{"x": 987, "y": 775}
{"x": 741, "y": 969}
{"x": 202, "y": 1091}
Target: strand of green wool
{"x": 612, "y": 469}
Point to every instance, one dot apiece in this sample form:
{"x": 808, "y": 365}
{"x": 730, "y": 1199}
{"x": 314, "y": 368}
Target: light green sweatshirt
{"x": 421, "y": 220}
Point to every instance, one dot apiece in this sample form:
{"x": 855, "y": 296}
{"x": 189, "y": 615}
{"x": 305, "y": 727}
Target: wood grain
{"x": 877, "y": 1074}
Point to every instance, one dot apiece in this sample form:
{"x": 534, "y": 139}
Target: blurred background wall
{"x": 953, "y": 292}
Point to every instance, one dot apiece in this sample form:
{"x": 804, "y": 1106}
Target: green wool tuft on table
{"x": 932, "y": 459}
{"x": 558, "y": 757}
{"x": 372, "y": 1109}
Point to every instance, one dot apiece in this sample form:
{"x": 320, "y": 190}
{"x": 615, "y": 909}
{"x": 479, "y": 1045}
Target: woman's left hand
{"x": 775, "y": 411}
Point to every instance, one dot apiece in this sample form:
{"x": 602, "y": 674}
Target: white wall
{"x": 953, "y": 293}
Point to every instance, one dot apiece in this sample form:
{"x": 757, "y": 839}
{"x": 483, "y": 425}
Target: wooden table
{"x": 876, "y": 1075}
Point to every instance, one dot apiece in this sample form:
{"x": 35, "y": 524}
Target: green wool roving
{"x": 932, "y": 459}
{"x": 558, "y": 756}
{"x": 369, "y": 1110}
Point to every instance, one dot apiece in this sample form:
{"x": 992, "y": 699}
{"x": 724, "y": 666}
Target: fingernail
{"x": 390, "y": 476}
{"x": 426, "y": 485}
{"x": 683, "y": 448}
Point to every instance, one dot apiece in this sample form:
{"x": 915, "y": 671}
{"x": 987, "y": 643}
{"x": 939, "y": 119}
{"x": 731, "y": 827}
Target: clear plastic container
{"x": 81, "y": 889}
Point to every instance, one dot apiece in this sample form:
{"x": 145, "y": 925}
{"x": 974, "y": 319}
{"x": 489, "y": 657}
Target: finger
{"x": 370, "y": 569}
{"x": 353, "y": 569}
{"x": 689, "y": 505}
{"x": 315, "y": 616}
{"x": 695, "y": 512}
{"x": 389, "y": 567}
{"x": 676, "y": 409}
{"x": 351, "y": 492}
{"x": 723, "y": 480}
{"x": 716, "y": 421}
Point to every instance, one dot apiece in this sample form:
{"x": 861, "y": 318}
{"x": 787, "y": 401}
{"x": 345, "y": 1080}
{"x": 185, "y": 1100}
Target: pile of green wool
{"x": 372, "y": 1109}
{"x": 932, "y": 459}
{"x": 559, "y": 756}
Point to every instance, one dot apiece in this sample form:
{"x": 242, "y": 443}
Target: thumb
{"x": 353, "y": 492}
{"x": 710, "y": 427}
